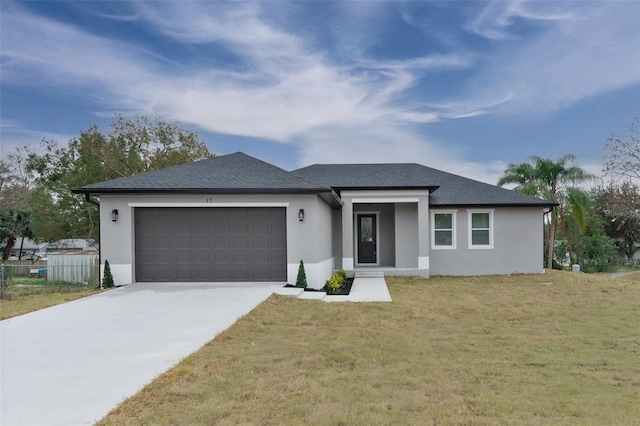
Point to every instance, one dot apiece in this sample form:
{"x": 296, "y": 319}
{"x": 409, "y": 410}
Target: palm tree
{"x": 554, "y": 181}
{"x": 14, "y": 225}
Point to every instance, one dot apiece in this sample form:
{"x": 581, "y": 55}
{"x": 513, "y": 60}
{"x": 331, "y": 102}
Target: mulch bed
{"x": 345, "y": 289}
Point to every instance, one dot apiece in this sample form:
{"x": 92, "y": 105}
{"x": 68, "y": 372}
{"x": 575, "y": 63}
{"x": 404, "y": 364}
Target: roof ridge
{"x": 385, "y": 168}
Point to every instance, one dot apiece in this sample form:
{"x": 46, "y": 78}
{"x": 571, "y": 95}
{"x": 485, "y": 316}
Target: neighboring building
{"x": 32, "y": 249}
{"x": 237, "y": 218}
{"x": 71, "y": 245}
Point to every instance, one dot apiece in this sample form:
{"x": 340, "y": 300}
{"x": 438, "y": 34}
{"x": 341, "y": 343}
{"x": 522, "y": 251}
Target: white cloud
{"x": 383, "y": 143}
{"x": 499, "y": 17}
{"x": 15, "y": 135}
{"x": 284, "y": 87}
{"x": 586, "y": 48}
{"x": 287, "y": 88}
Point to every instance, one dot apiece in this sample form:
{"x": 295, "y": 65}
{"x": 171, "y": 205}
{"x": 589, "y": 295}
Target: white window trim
{"x": 453, "y": 229}
{"x": 469, "y": 230}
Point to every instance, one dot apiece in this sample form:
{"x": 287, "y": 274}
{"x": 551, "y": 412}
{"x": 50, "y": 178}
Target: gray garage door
{"x": 211, "y": 244}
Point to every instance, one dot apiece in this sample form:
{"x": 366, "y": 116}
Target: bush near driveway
{"x": 557, "y": 348}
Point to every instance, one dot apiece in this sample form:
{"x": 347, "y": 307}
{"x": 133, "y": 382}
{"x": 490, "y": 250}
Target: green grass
{"x": 558, "y": 348}
{"x": 24, "y": 295}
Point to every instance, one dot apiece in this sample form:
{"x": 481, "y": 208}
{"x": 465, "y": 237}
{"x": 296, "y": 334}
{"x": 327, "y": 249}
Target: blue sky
{"x": 465, "y": 87}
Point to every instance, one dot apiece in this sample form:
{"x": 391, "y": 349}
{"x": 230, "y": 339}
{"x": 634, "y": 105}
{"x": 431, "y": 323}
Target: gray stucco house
{"x": 237, "y": 218}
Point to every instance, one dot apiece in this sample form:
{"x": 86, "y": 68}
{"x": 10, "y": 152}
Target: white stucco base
{"x": 423, "y": 262}
{"x": 122, "y": 273}
{"x": 347, "y": 263}
{"x": 317, "y": 273}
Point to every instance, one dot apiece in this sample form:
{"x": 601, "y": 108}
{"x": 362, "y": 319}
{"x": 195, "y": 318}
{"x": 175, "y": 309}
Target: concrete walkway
{"x": 72, "y": 363}
{"x": 367, "y": 287}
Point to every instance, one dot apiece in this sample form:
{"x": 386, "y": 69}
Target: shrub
{"x": 334, "y": 283}
{"x": 301, "y": 280}
{"x": 107, "y": 279}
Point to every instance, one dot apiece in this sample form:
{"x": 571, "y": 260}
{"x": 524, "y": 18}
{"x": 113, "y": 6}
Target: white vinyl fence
{"x": 73, "y": 268}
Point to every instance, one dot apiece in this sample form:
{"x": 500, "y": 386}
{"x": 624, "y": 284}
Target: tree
{"x": 595, "y": 251}
{"x": 107, "y": 279}
{"x": 555, "y": 181}
{"x": 16, "y": 181}
{"x": 618, "y": 204}
{"x": 14, "y": 225}
{"x": 301, "y": 279}
{"x": 16, "y": 189}
{"x": 624, "y": 153}
{"x": 130, "y": 146}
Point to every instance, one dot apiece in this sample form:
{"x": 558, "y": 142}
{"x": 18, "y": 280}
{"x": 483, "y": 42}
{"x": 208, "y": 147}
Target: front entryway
{"x": 367, "y": 238}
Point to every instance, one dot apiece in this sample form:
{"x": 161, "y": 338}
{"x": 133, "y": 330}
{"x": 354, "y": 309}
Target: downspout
{"x": 87, "y": 197}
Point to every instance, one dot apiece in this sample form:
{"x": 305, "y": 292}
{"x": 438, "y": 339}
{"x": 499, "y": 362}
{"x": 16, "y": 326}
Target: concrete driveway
{"x": 71, "y": 364}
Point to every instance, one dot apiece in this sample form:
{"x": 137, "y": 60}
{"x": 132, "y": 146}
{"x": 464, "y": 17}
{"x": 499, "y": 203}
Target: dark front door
{"x": 367, "y": 249}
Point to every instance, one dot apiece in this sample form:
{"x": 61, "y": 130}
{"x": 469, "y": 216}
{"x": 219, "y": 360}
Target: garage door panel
{"x": 261, "y": 256}
{"x": 200, "y": 242}
{"x": 240, "y": 273}
{"x": 222, "y": 242}
{"x": 240, "y": 256}
{"x": 211, "y": 244}
{"x": 261, "y": 242}
{"x": 180, "y": 243}
{"x": 184, "y": 257}
{"x": 262, "y": 274}
{"x": 221, "y": 257}
{"x": 201, "y": 257}
{"x": 181, "y": 227}
{"x": 241, "y": 242}
{"x": 200, "y": 274}
{"x": 221, "y": 228}
{"x": 278, "y": 256}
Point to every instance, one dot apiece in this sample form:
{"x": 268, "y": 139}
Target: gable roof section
{"x": 446, "y": 189}
{"x": 232, "y": 173}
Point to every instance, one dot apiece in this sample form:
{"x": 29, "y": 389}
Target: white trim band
{"x": 208, "y": 204}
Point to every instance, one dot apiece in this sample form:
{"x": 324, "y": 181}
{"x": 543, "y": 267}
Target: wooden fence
{"x": 24, "y": 268}
{"x": 69, "y": 268}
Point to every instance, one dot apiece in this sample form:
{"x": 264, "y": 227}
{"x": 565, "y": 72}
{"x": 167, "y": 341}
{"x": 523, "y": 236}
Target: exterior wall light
{"x": 301, "y": 215}
{"x": 114, "y": 215}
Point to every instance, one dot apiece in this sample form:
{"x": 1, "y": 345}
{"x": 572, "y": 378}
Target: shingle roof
{"x": 236, "y": 172}
{"x": 447, "y": 189}
{"x": 241, "y": 173}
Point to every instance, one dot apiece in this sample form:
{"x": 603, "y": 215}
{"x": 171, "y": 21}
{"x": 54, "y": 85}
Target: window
{"x": 481, "y": 229}
{"x": 443, "y": 232}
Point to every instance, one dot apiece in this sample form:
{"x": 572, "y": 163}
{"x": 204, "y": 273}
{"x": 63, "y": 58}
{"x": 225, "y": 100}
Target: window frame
{"x": 453, "y": 230}
{"x": 470, "y": 229}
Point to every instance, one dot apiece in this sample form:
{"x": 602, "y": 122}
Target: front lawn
{"x": 558, "y": 348}
{"x": 24, "y": 295}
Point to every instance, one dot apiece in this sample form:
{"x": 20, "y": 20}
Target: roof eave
{"x": 430, "y": 188}
{"x": 99, "y": 191}
{"x": 488, "y": 205}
